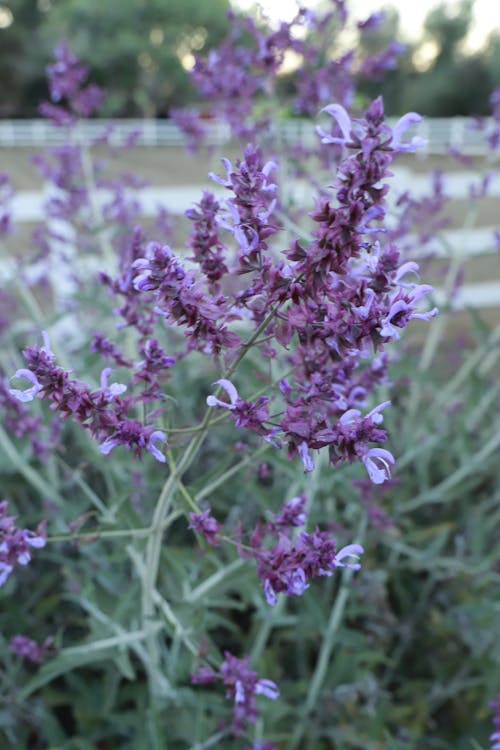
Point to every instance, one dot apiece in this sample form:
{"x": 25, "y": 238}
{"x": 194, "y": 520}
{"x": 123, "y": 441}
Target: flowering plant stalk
{"x": 223, "y": 391}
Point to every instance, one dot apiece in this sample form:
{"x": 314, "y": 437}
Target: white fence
{"x": 441, "y": 133}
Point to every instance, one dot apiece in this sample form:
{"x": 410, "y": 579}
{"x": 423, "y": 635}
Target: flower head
{"x": 16, "y": 543}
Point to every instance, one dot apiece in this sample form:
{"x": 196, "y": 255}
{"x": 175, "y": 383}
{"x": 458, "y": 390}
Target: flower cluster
{"x": 246, "y": 64}
{"x": 15, "y": 543}
{"x": 21, "y": 423}
{"x": 180, "y": 298}
{"x": 67, "y": 76}
{"x": 248, "y": 212}
{"x": 28, "y": 649}
{"x": 242, "y": 685}
{"x": 285, "y": 560}
{"x": 208, "y": 249}
{"x": 207, "y": 526}
{"x": 294, "y": 559}
{"x": 323, "y": 308}
{"x": 103, "y": 411}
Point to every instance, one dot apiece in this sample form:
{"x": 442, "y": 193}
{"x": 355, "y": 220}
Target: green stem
{"x": 213, "y": 581}
{"x": 29, "y": 473}
{"x": 96, "y": 536}
{"x": 209, "y": 488}
{"x": 328, "y": 642}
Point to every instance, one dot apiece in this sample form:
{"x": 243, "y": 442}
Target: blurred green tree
{"x": 447, "y": 79}
{"x": 22, "y": 57}
{"x": 138, "y": 50}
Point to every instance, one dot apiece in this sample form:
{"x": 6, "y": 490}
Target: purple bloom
{"x": 231, "y": 392}
{"x": 70, "y": 97}
{"x": 26, "y": 648}
{"x": 113, "y": 390}
{"x": 29, "y": 393}
{"x": 15, "y": 543}
{"x": 286, "y": 567}
{"x": 352, "y": 133}
{"x": 376, "y": 65}
{"x": 249, "y": 414}
{"x": 372, "y": 22}
{"x": 377, "y": 462}
{"x": 305, "y": 456}
{"x": 495, "y": 737}
{"x": 104, "y": 412}
{"x": 242, "y": 685}
{"x": 403, "y": 309}
{"x": 351, "y": 550}
{"x": 206, "y": 525}
{"x": 108, "y": 350}
{"x": 291, "y": 514}
{"x": 208, "y": 249}
{"x": 135, "y": 436}
{"x": 181, "y": 299}
{"x": 411, "y": 118}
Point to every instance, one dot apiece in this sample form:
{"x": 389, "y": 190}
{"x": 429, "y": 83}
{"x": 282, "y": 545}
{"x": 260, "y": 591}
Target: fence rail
{"x": 441, "y": 133}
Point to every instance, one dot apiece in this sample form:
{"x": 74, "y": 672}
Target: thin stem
{"x": 209, "y": 488}
{"x": 211, "y": 741}
{"x": 153, "y": 548}
{"x": 334, "y": 621}
{"x": 96, "y": 536}
{"x": 30, "y": 474}
{"x": 213, "y": 581}
{"x": 89, "y": 492}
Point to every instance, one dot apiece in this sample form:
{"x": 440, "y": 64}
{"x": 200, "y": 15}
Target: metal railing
{"x": 441, "y": 133}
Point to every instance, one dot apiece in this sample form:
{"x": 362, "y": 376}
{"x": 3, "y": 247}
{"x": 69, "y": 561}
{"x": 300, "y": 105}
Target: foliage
{"x": 175, "y": 594}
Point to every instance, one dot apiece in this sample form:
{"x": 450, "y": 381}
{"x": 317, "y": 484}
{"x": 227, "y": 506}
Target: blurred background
{"x": 444, "y": 62}
{"x": 140, "y": 51}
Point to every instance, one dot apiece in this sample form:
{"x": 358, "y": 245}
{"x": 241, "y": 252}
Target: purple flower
{"x": 206, "y": 525}
{"x": 305, "y": 456}
{"x": 411, "y": 118}
{"x": 15, "y": 543}
{"x": 495, "y": 737}
{"x": 376, "y": 65}
{"x": 29, "y": 393}
{"x": 352, "y": 133}
{"x": 209, "y": 251}
{"x": 403, "y": 309}
{"x": 135, "y": 436}
{"x": 242, "y": 685}
{"x": 286, "y": 567}
{"x": 377, "y": 462}
{"x": 292, "y": 514}
{"x": 249, "y": 414}
{"x": 372, "y": 22}
{"x": 351, "y": 550}
{"x": 113, "y": 390}
{"x": 231, "y": 392}
{"x": 66, "y": 77}
{"x": 26, "y": 648}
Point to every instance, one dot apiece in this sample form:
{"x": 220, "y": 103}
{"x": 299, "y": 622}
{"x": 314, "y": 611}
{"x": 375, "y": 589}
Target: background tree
{"x": 453, "y": 81}
{"x": 22, "y": 57}
{"x": 137, "y": 49}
